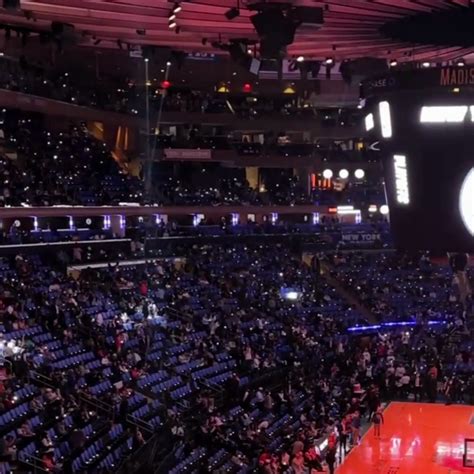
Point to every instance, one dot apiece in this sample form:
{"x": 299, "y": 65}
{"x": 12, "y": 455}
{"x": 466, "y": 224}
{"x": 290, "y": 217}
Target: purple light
{"x": 106, "y": 222}
{"x": 391, "y": 324}
{"x": 364, "y": 328}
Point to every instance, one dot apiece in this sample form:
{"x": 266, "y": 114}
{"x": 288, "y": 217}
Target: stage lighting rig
{"x": 276, "y": 25}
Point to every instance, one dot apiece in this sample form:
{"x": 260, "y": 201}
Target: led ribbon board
{"x": 401, "y": 179}
{"x": 466, "y": 202}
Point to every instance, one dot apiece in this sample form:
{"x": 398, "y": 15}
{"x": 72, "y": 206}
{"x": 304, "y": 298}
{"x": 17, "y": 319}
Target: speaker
{"x": 63, "y": 32}
{"x": 11, "y": 4}
{"x": 309, "y": 15}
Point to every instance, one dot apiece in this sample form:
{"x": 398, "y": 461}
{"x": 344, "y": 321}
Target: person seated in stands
{"x": 24, "y": 431}
{"x": 7, "y": 448}
{"x": 49, "y": 463}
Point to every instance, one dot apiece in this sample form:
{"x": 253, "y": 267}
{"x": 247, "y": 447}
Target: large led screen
{"x": 429, "y": 169}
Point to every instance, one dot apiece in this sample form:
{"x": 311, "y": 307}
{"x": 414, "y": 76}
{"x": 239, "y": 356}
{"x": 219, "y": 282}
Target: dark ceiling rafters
{"x": 351, "y": 28}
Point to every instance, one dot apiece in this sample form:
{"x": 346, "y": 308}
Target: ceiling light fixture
{"x": 232, "y": 13}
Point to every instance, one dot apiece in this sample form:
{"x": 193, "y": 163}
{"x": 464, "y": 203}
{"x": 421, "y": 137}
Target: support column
{"x": 117, "y": 225}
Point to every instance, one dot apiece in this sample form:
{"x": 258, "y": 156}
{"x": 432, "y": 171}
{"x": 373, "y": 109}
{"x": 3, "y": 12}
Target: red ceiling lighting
{"x": 247, "y": 88}
{"x": 165, "y": 84}
{"x": 351, "y": 29}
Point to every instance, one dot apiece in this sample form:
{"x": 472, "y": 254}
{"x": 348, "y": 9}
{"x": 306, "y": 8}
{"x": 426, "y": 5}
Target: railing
{"x": 41, "y": 379}
{"x": 138, "y": 422}
{"x": 143, "y": 459}
{"x": 34, "y": 462}
{"x": 95, "y": 403}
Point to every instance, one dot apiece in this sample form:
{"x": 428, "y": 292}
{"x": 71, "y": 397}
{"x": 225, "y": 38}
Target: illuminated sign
{"x": 443, "y": 114}
{"x": 184, "y": 154}
{"x": 466, "y": 201}
{"x": 401, "y": 179}
{"x": 385, "y": 119}
{"x": 369, "y": 122}
{"x": 456, "y": 76}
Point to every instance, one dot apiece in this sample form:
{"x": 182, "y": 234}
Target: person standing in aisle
{"x": 355, "y": 424}
{"x": 331, "y": 460}
{"x": 377, "y": 419}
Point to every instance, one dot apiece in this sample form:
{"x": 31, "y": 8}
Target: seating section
{"x": 397, "y": 288}
{"x": 94, "y": 368}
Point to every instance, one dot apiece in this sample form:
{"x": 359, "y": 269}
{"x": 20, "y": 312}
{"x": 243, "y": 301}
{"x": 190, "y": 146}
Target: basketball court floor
{"x": 416, "y": 438}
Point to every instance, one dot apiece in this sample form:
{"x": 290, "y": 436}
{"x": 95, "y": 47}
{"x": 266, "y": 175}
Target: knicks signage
{"x": 456, "y": 76}
{"x": 187, "y": 154}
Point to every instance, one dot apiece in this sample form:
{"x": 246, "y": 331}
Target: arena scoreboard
{"x": 423, "y": 124}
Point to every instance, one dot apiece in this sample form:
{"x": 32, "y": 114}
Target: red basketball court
{"x": 416, "y": 438}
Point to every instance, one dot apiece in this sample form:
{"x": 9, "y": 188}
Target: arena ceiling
{"x": 351, "y": 29}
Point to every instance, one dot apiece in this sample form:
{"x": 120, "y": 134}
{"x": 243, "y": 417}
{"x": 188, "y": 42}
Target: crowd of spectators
{"x": 401, "y": 288}
{"x": 128, "y": 96}
{"x": 238, "y": 357}
{"x": 46, "y": 168}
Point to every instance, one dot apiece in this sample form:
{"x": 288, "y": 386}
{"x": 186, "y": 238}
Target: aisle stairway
{"x": 349, "y": 296}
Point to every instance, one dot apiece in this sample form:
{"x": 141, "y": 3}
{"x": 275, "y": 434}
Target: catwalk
{"x": 416, "y": 438}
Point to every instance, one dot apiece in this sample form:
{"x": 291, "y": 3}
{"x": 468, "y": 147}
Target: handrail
{"x": 178, "y": 314}
{"x": 140, "y": 423}
{"x": 94, "y": 402}
{"x": 36, "y": 468}
{"x": 41, "y": 378}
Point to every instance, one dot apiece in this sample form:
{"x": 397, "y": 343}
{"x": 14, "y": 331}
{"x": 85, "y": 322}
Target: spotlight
{"x": 384, "y": 209}
{"x": 461, "y": 63}
{"x": 232, "y": 13}
{"x": 329, "y": 61}
{"x": 343, "y": 174}
{"x": 327, "y": 174}
{"x": 393, "y": 62}
{"x": 359, "y": 173}
{"x": 24, "y": 37}
{"x": 300, "y": 59}
{"x": 168, "y": 63}
{"x": 426, "y": 64}
{"x": 177, "y": 8}
{"x": 172, "y": 16}
{"x": 172, "y": 24}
